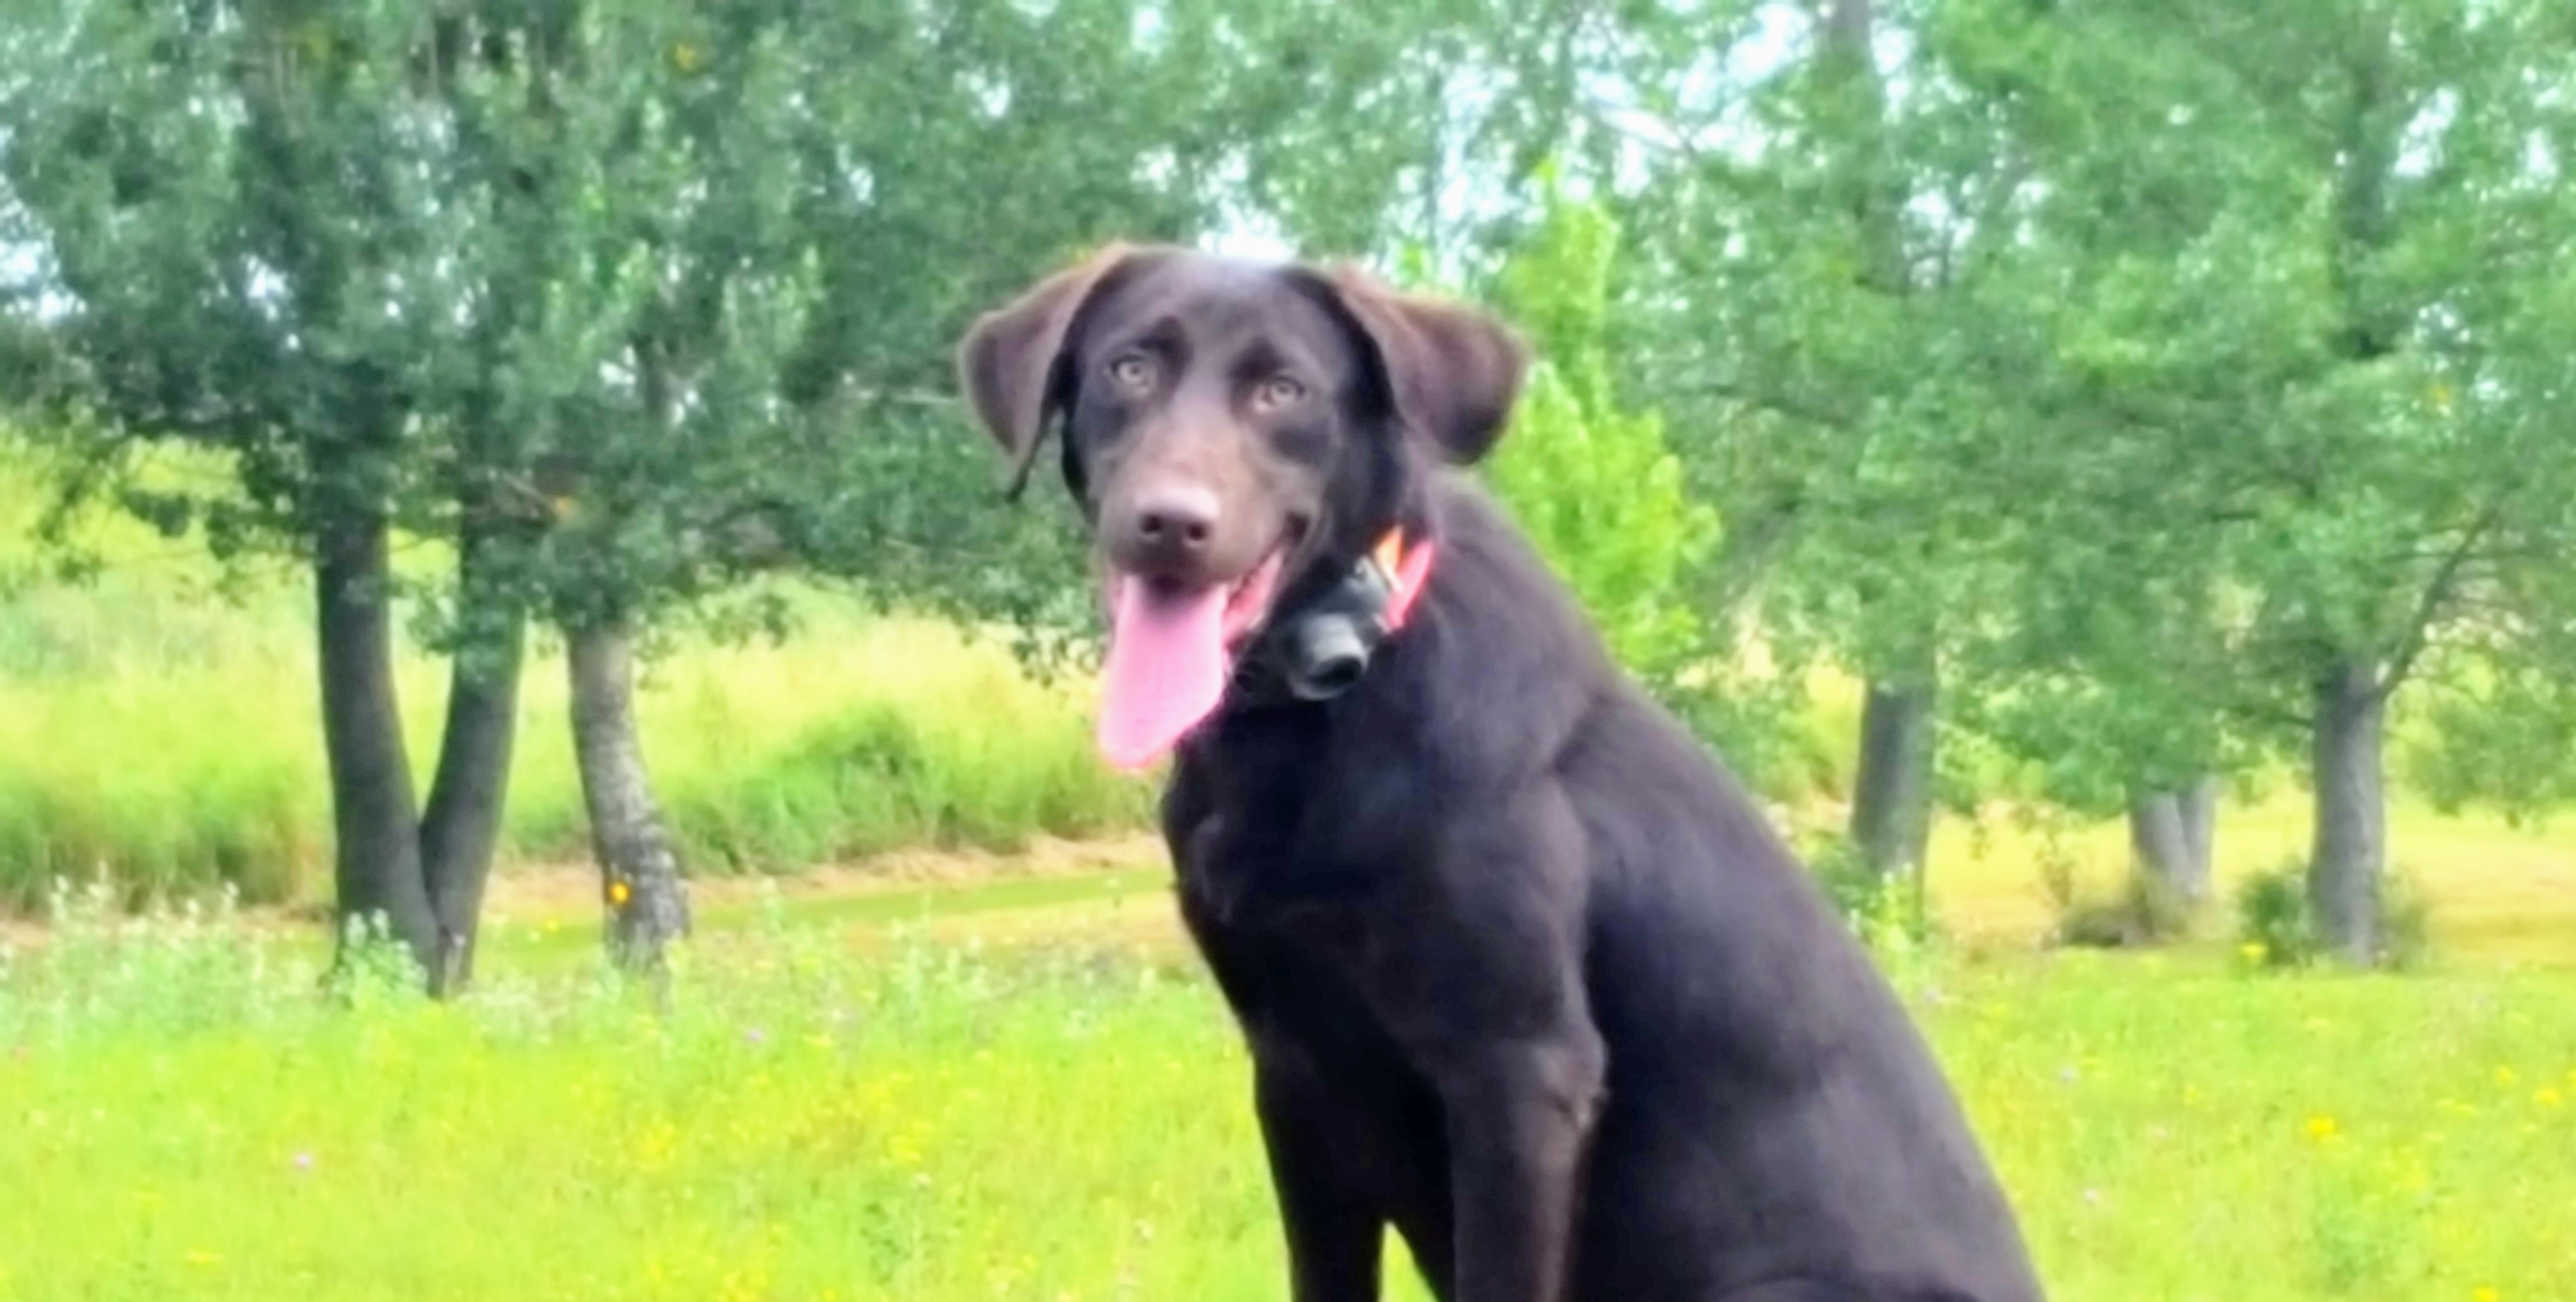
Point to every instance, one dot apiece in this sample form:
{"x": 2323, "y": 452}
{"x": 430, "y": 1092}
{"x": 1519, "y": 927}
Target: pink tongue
{"x": 1167, "y": 670}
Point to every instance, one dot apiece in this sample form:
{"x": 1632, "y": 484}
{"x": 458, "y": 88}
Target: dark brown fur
{"x": 1523, "y": 973}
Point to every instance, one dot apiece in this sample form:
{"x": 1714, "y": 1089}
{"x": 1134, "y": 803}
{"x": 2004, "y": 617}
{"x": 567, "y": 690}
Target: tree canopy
{"x": 2147, "y": 392}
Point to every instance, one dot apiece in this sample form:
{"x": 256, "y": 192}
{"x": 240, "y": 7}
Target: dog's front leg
{"x": 1483, "y": 983}
{"x": 1335, "y": 1232}
{"x": 1519, "y": 1120}
{"x": 1316, "y": 1133}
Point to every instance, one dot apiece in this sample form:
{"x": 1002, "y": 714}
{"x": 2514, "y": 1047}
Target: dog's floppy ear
{"x": 1009, "y": 361}
{"x": 1452, "y": 370}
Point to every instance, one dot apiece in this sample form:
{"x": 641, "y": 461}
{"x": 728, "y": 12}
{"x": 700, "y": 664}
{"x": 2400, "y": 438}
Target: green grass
{"x": 927, "y": 1119}
{"x": 855, "y": 737}
{"x": 165, "y": 729}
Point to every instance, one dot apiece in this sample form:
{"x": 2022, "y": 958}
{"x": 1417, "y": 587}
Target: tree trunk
{"x": 375, "y": 826}
{"x": 2351, "y": 846}
{"x": 2200, "y": 829}
{"x": 1891, "y": 817}
{"x": 2169, "y": 836}
{"x": 2158, "y": 842}
{"x": 639, "y": 871}
{"x": 461, "y": 827}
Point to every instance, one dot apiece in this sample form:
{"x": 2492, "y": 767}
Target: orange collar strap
{"x": 1407, "y": 571}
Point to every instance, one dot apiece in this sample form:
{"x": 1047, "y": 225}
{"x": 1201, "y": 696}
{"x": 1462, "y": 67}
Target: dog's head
{"x": 1229, "y": 429}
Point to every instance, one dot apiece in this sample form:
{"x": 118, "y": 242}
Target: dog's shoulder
{"x": 1501, "y": 669}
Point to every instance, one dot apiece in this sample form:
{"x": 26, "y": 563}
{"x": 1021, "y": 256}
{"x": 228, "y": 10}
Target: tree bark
{"x": 2169, "y": 836}
{"x": 375, "y": 825}
{"x": 2158, "y": 844}
{"x": 2200, "y": 829}
{"x": 1891, "y": 816}
{"x": 2350, "y": 850}
{"x": 639, "y": 870}
{"x": 461, "y": 827}
{"x": 423, "y": 874}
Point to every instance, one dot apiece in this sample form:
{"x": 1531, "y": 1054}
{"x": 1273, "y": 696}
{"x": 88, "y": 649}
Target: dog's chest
{"x": 1273, "y": 834}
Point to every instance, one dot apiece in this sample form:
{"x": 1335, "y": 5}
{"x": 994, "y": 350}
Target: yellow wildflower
{"x": 2547, "y": 1097}
{"x": 2254, "y": 951}
{"x": 618, "y": 892}
{"x": 2485, "y": 1293}
{"x": 2322, "y": 1128}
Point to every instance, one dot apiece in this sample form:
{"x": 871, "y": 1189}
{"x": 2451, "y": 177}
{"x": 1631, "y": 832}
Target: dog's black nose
{"x": 1174, "y": 522}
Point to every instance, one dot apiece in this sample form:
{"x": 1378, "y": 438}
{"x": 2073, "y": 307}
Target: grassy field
{"x": 851, "y": 1096}
{"x": 948, "y": 1053}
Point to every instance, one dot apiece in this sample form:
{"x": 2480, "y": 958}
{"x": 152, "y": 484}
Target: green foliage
{"x": 2490, "y": 738}
{"x": 1598, "y": 489}
{"x": 1890, "y": 914}
{"x": 1836, "y": 362}
{"x": 2291, "y": 437}
{"x": 2276, "y": 924}
{"x": 671, "y": 288}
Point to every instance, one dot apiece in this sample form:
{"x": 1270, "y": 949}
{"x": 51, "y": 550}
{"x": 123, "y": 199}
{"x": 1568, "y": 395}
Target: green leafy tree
{"x": 767, "y": 226}
{"x": 1829, "y": 305}
{"x": 629, "y": 302}
{"x": 243, "y": 248}
{"x": 1598, "y": 488}
{"x": 2301, "y": 384}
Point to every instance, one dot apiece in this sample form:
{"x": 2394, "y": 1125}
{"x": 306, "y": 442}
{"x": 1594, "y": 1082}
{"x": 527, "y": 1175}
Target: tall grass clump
{"x": 165, "y": 732}
{"x": 853, "y": 737}
{"x": 178, "y": 767}
{"x": 159, "y": 733}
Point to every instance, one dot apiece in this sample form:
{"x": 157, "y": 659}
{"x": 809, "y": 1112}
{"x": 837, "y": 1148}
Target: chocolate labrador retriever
{"x": 1523, "y": 973}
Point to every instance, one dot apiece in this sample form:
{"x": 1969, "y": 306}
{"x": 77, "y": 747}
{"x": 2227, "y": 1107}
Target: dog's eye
{"x": 1278, "y": 393}
{"x": 1132, "y": 371}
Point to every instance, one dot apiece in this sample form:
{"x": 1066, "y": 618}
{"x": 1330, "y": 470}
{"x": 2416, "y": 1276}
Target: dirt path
{"x": 547, "y": 890}
{"x": 1072, "y": 880}
{"x": 2498, "y": 893}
